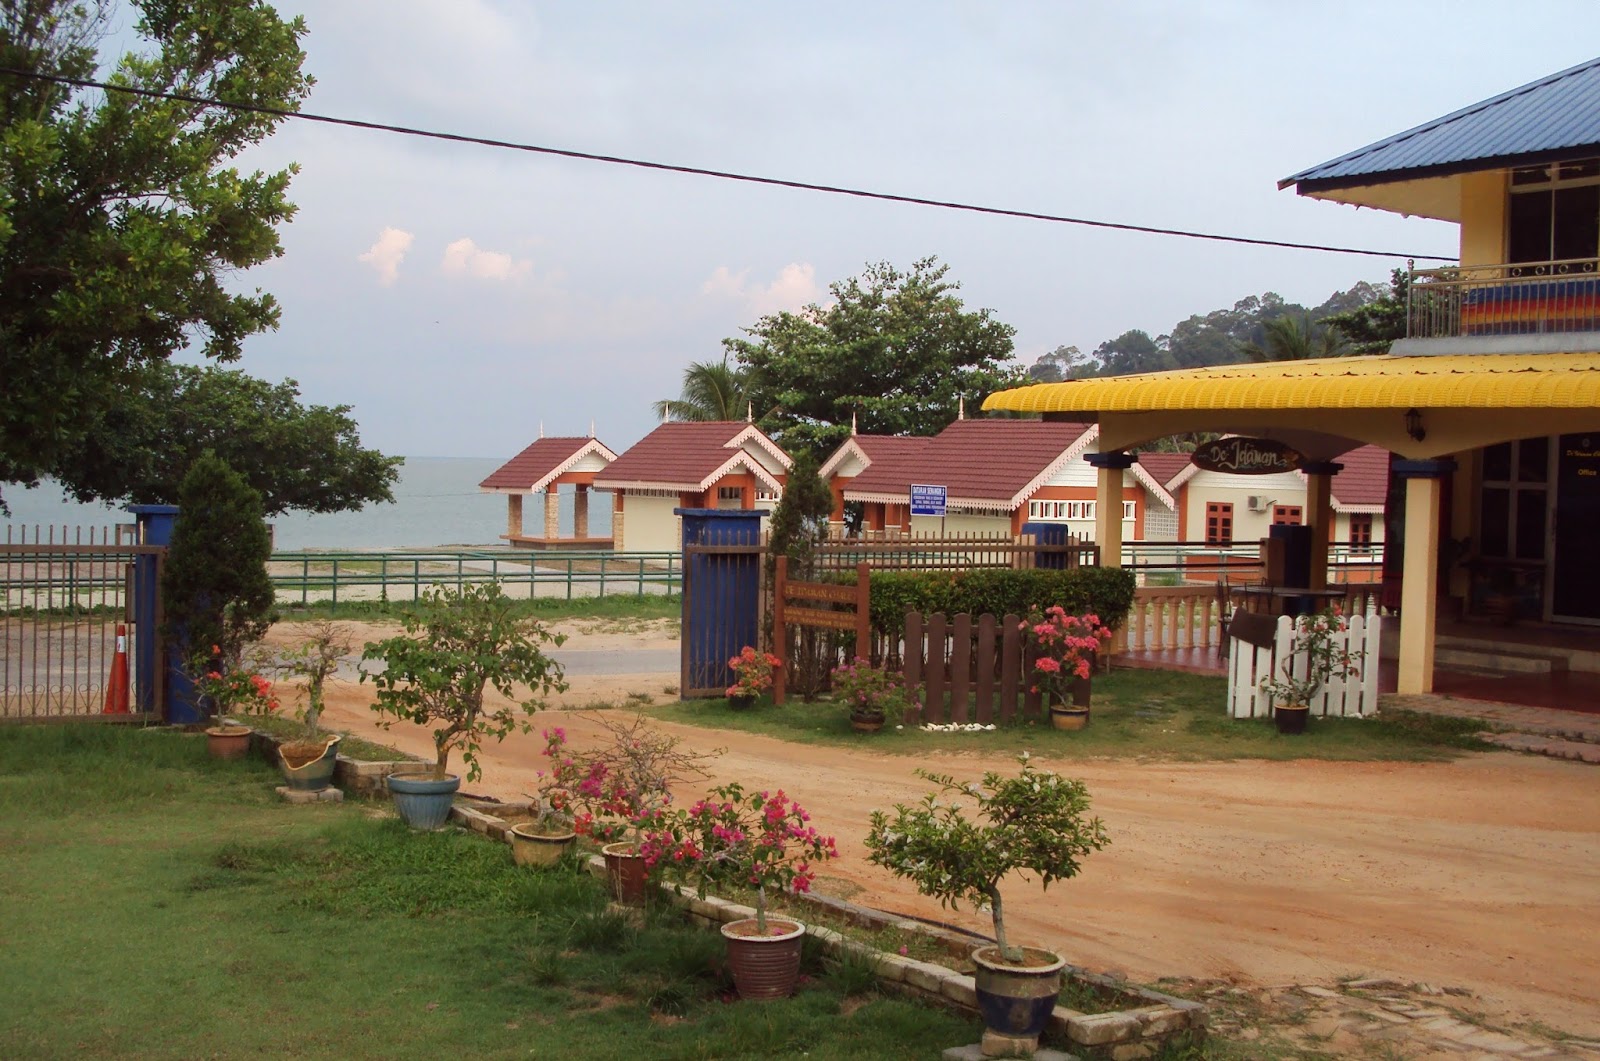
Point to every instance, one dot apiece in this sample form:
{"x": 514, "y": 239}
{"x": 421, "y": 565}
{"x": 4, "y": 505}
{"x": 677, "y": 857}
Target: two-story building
{"x": 1491, "y": 403}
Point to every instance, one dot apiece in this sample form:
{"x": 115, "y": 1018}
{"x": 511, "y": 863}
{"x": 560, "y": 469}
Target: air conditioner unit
{"x": 1257, "y": 502}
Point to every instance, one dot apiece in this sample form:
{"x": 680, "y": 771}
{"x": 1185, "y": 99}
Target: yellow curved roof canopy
{"x": 1440, "y": 381}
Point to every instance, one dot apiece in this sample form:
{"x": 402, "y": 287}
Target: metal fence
{"x": 64, "y": 594}
{"x": 1512, "y": 299}
{"x": 336, "y": 577}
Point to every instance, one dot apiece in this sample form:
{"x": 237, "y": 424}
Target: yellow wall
{"x": 1483, "y": 218}
{"x": 963, "y": 523}
{"x": 650, "y": 526}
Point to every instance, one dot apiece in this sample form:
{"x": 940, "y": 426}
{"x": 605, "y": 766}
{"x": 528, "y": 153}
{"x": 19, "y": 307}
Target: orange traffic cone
{"x": 117, "y": 682}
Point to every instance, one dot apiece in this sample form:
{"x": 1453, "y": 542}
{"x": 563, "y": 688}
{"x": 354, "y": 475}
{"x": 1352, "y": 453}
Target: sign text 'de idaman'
{"x": 1246, "y": 456}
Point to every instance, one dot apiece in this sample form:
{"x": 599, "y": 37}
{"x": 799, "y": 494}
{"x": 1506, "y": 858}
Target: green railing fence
{"x": 331, "y": 577}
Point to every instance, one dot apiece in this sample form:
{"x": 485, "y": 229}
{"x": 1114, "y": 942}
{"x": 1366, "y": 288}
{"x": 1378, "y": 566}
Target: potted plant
{"x": 216, "y": 594}
{"x": 1063, "y": 647}
{"x": 746, "y": 838}
{"x": 237, "y": 690}
{"x": 1319, "y": 652}
{"x": 458, "y": 643}
{"x": 873, "y": 694}
{"x": 613, "y": 792}
{"x": 308, "y": 763}
{"x": 752, "y": 675}
{"x": 960, "y": 842}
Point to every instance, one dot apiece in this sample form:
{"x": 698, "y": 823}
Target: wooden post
{"x": 864, "y": 611}
{"x": 780, "y": 633}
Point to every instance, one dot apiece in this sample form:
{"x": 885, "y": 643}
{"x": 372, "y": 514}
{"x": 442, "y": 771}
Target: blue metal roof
{"x": 1554, "y": 116}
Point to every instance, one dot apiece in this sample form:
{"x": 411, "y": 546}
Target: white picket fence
{"x": 1355, "y": 697}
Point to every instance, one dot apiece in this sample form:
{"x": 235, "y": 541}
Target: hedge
{"x": 1106, "y": 591}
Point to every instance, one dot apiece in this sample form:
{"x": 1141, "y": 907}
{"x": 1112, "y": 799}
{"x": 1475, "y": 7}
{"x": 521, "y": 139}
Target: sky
{"x": 463, "y": 298}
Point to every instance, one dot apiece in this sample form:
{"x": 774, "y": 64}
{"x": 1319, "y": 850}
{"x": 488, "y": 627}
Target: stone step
{"x": 1503, "y": 662}
{"x": 1555, "y": 747}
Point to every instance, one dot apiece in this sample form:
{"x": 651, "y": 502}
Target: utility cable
{"x": 698, "y": 171}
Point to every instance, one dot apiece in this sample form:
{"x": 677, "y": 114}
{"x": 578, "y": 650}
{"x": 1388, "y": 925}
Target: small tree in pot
{"x": 457, "y": 644}
{"x": 1034, "y": 821}
{"x": 308, "y": 761}
{"x": 757, "y": 839}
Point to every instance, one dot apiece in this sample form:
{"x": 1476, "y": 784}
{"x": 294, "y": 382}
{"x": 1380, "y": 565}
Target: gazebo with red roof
{"x": 544, "y": 467}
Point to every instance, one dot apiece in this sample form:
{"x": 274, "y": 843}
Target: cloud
{"x": 465, "y": 256}
{"x": 794, "y": 287}
{"x": 387, "y": 254}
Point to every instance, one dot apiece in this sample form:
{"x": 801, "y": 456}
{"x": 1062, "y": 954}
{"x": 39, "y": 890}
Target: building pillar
{"x": 1319, "y": 509}
{"x": 617, "y": 527}
{"x": 1419, "y": 586}
{"x": 513, "y": 515}
{"x": 837, "y": 488}
{"x": 1108, "y": 504}
{"x": 580, "y": 511}
{"x": 552, "y": 514}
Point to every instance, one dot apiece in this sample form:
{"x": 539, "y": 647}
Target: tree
{"x": 1062, "y": 363}
{"x": 1292, "y": 337}
{"x": 1132, "y": 351}
{"x": 896, "y": 349}
{"x": 711, "y": 391}
{"x": 1373, "y": 325}
{"x": 215, "y": 587}
{"x": 297, "y": 457}
{"x": 799, "y": 522}
{"x": 120, "y": 220}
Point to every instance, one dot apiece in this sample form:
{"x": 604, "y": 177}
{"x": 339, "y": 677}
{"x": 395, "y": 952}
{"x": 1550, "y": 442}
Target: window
{"x": 1554, "y": 214}
{"x": 1219, "y": 523}
{"x": 1361, "y": 532}
{"x": 1129, "y": 510}
{"x": 1513, "y": 502}
{"x": 1286, "y": 515}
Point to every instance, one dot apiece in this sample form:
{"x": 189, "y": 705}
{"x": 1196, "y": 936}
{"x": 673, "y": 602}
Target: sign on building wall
{"x": 1246, "y": 456}
{"x": 928, "y": 500}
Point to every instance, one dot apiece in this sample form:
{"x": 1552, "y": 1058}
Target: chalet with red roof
{"x": 543, "y": 468}
{"x": 719, "y": 464}
{"x": 997, "y": 475}
{"x": 856, "y": 455}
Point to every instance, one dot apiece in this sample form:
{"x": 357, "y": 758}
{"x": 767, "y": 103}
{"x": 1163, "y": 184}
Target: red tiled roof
{"x": 535, "y": 463}
{"x": 675, "y": 455}
{"x": 889, "y": 447}
{"x": 980, "y": 459}
{"x": 1163, "y": 466}
{"x": 1365, "y": 478}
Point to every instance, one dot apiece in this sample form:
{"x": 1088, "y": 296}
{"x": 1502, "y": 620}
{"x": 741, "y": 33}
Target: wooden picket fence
{"x": 965, "y": 670}
{"x": 1249, "y": 665}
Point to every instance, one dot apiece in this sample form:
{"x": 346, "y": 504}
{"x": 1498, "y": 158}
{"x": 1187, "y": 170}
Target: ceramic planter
{"x": 307, "y": 770}
{"x": 626, "y": 872}
{"x": 1017, "y": 998}
{"x": 742, "y": 703}
{"x": 529, "y": 847}
{"x": 1068, "y": 716}
{"x": 228, "y": 741}
{"x": 1291, "y": 718}
{"x": 866, "y": 724}
{"x": 423, "y": 801}
{"x": 764, "y": 966}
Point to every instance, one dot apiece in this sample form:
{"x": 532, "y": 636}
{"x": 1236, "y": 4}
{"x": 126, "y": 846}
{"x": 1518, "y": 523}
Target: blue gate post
{"x": 155, "y": 523}
{"x": 1049, "y": 534}
{"x": 721, "y": 595}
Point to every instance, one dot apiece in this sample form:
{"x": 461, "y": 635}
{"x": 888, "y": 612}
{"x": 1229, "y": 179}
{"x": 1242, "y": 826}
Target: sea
{"x": 437, "y": 503}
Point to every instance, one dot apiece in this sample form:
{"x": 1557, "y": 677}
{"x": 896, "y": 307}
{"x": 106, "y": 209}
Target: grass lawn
{"x": 1136, "y": 714}
{"x": 162, "y": 904}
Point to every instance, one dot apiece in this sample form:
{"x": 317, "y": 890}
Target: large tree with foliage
{"x": 896, "y": 349}
{"x": 1293, "y": 337}
{"x": 121, "y": 219}
{"x": 297, "y": 457}
{"x": 1372, "y": 324}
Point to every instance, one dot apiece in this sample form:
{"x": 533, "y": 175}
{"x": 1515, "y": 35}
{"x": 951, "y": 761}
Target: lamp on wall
{"x": 1414, "y": 426}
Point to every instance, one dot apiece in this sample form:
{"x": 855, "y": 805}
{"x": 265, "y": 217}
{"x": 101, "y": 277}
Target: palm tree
{"x": 1292, "y": 337}
{"x": 712, "y": 390}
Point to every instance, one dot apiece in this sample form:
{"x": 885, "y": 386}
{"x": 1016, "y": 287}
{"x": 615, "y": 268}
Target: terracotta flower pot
{"x": 228, "y": 741}
{"x": 764, "y": 966}
{"x": 626, "y": 872}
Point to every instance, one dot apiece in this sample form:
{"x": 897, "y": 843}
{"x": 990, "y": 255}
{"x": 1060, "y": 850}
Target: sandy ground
{"x": 1482, "y": 873}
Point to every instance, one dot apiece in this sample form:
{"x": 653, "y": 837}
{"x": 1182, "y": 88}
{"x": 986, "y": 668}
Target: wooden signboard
{"x": 785, "y": 613}
{"x": 1246, "y": 456}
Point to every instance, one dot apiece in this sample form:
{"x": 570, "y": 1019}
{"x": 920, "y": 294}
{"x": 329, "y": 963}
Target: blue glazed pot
{"x": 423, "y": 803}
{"x": 1016, "y": 1000}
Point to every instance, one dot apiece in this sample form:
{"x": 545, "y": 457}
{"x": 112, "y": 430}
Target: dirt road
{"x": 1482, "y": 873}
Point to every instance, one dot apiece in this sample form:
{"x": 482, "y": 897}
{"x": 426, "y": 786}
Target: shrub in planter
{"x": 873, "y": 694}
{"x": 1035, "y": 821}
{"x": 457, "y": 644}
{"x": 308, "y": 761}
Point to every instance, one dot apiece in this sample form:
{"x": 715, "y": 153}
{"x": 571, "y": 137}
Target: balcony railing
{"x": 1527, "y": 298}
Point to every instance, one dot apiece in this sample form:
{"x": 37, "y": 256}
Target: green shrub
{"x": 1106, "y": 591}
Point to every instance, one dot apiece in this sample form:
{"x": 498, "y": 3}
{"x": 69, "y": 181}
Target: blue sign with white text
{"x": 927, "y": 500}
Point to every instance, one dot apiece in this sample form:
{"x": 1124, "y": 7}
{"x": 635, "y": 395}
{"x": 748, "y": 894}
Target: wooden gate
{"x": 64, "y": 592}
{"x": 965, "y": 671}
{"x": 786, "y": 613}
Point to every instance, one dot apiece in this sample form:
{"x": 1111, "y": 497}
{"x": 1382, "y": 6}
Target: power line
{"x": 698, "y": 171}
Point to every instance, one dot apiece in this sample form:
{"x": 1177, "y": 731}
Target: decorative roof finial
{"x": 749, "y": 412}
{"x": 852, "y": 423}
{"x": 541, "y": 428}
{"x": 961, "y": 408}
{"x": 591, "y": 427}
